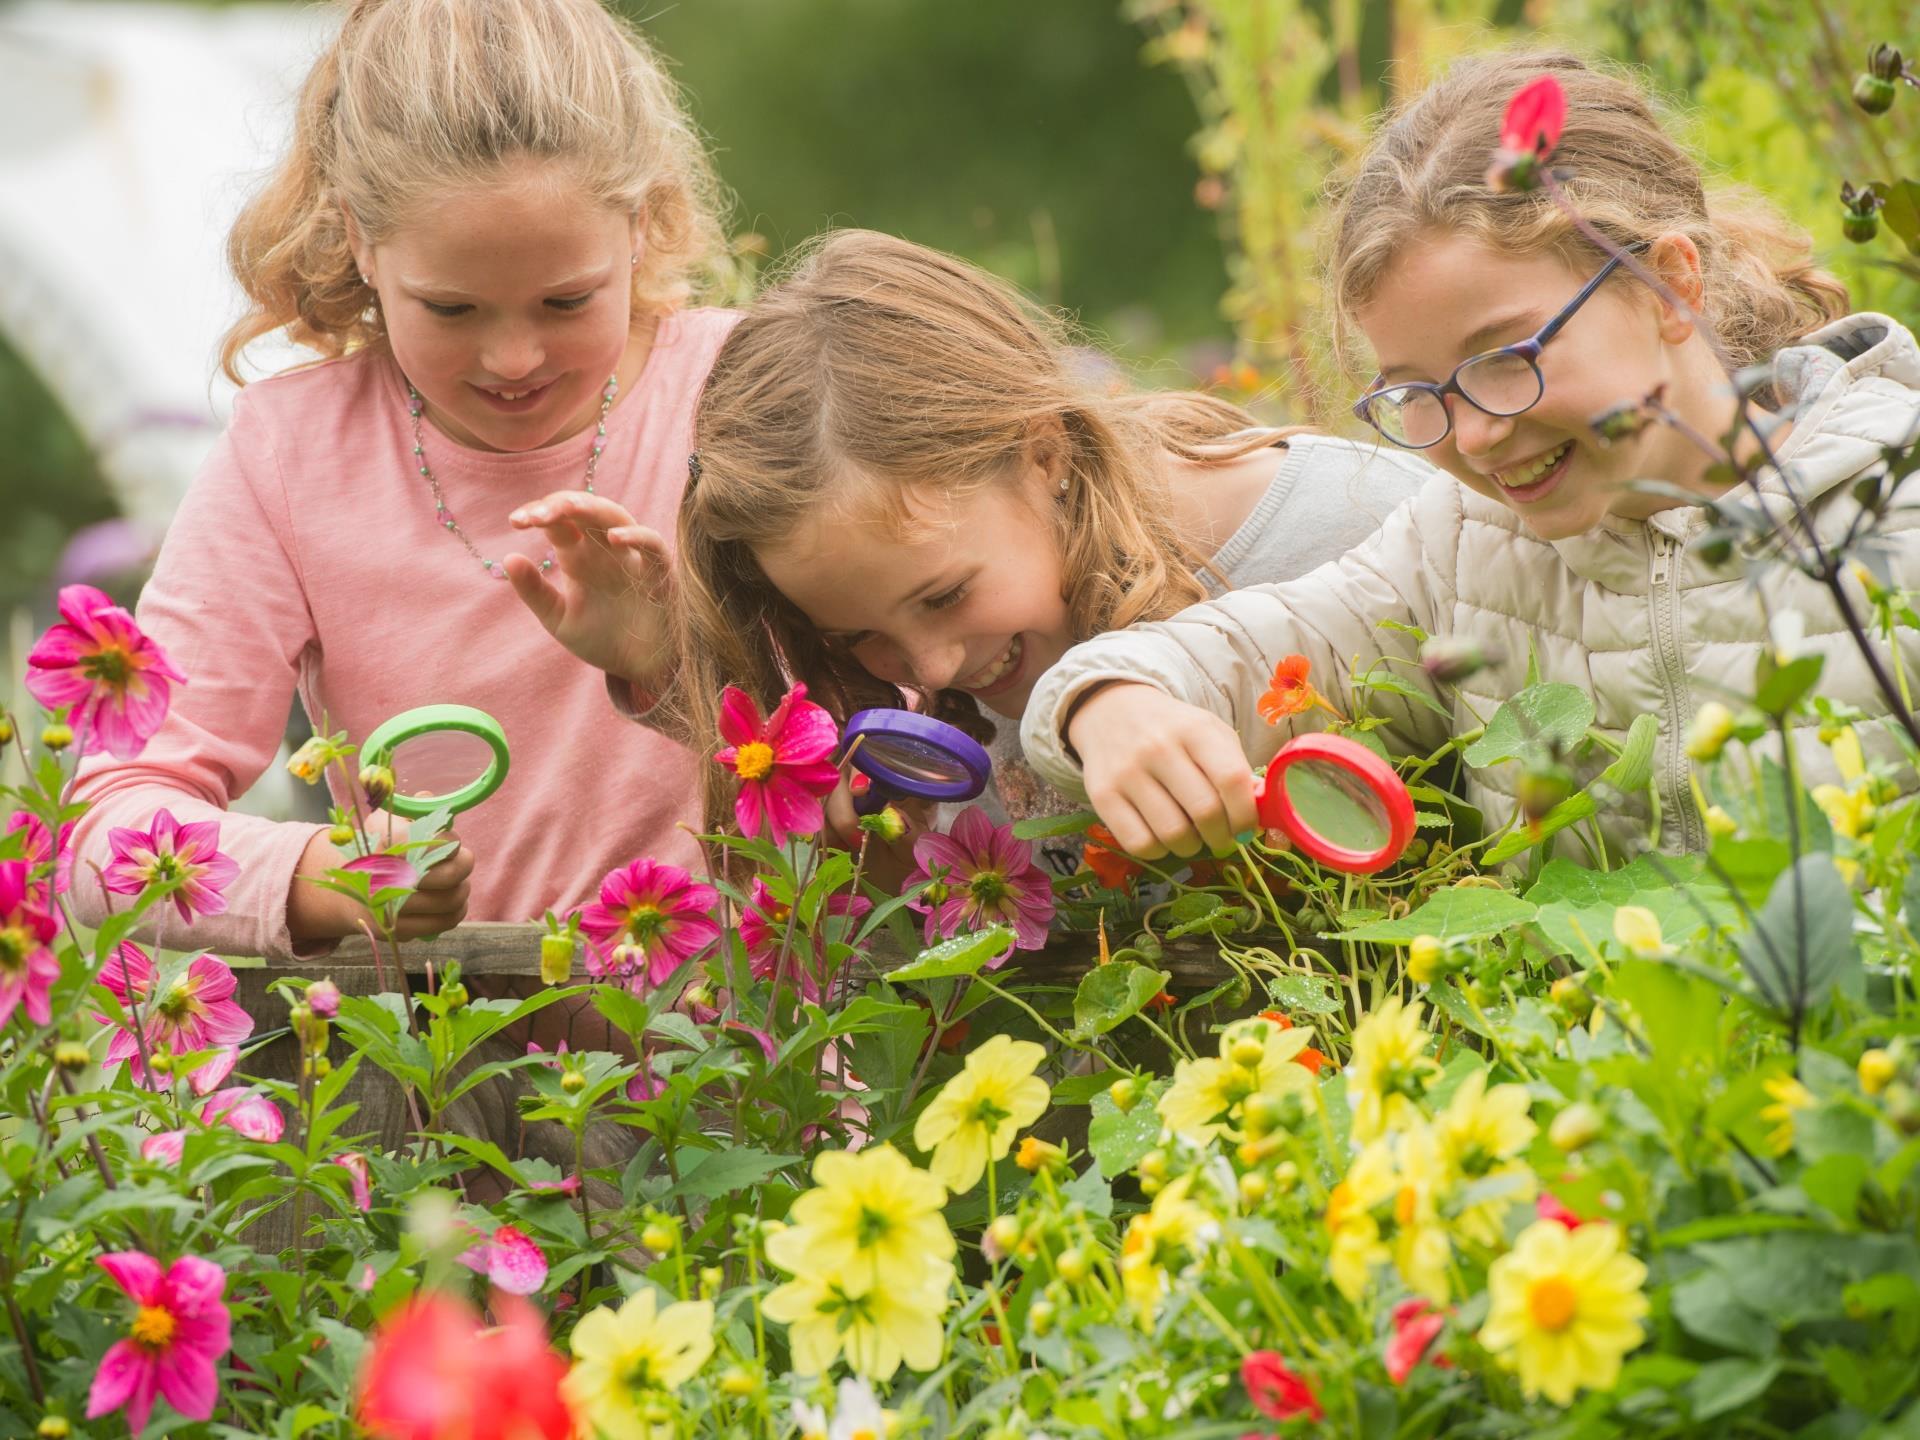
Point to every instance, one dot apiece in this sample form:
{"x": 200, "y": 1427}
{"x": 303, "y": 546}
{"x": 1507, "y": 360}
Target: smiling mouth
{"x": 1521, "y": 476}
{"x": 1002, "y": 666}
{"x": 510, "y": 397}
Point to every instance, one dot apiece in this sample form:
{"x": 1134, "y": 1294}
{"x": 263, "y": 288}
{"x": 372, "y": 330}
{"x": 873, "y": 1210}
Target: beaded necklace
{"x": 445, "y": 516}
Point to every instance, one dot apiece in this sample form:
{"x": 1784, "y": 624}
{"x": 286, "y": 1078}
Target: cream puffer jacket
{"x": 1627, "y": 611}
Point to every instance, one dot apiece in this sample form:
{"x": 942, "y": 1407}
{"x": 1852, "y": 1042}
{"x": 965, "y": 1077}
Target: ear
{"x": 357, "y": 243}
{"x": 636, "y": 235}
{"x": 1676, "y": 260}
{"x": 1048, "y": 453}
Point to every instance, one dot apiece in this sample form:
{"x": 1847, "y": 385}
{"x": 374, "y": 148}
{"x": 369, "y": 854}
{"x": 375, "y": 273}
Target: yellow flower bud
{"x": 1262, "y": 1114}
{"x": 1035, "y": 1155}
{"x": 556, "y": 958}
{"x": 1005, "y": 1232}
{"x": 572, "y": 1081}
{"x": 712, "y": 1277}
{"x": 53, "y": 1427}
{"x": 57, "y": 737}
{"x": 6, "y": 738}
{"x": 1638, "y": 928}
{"x": 1425, "y": 959}
{"x": 72, "y": 1056}
{"x": 1253, "y": 1188}
{"x": 1876, "y": 1069}
{"x": 1720, "y": 825}
{"x": 1571, "y": 996}
{"x": 1073, "y": 1265}
{"x": 1575, "y": 1127}
{"x": 739, "y": 1382}
{"x": 1712, "y": 727}
{"x": 1152, "y": 1166}
{"x": 1247, "y": 1051}
{"x": 340, "y": 836}
{"x": 319, "y": 1067}
{"x": 1040, "y": 1317}
{"x": 455, "y": 995}
{"x": 659, "y": 1236}
{"x": 1124, "y": 1092}
{"x": 161, "y": 1061}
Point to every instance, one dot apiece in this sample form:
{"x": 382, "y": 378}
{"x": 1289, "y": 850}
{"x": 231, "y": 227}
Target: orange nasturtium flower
{"x": 1110, "y": 865}
{"x": 1290, "y": 692}
{"x": 1309, "y": 1057}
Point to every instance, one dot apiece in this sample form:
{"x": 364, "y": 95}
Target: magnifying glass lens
{"x": 439, "y": 763}
{"x": 902, "y": 757}
{"x": 1337, "y": 806}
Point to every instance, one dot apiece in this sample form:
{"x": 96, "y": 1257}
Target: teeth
{"x": 1526, "y": 474}
{"x": 998, "y": 669}
{"x": 512, "y": 394}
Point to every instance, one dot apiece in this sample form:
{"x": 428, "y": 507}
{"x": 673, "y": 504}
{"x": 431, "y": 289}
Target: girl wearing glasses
{"x": 1500, "y": 334}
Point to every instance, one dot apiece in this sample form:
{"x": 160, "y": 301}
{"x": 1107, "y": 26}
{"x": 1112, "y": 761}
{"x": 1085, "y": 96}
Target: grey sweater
{"x": 1327, "y": 496}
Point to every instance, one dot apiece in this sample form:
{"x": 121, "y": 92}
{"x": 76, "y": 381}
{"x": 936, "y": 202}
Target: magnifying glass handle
{"x": 874, "y": 798}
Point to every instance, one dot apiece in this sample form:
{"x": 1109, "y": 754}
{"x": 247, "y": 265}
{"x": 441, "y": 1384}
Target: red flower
{"x": 1276, "y": 1391}
{"x": 98, "y": 661}
{"x": 1289, "y": 692}
{"x": 1546, "y": 1207}
{"x": 1311, "y": 1058}
{"x": 1111, "y": 865}
{"x": 435, "y": 1372}
{"x": 1416, "y": 1325}
{"x": 1535, "y": 117}
{"x": 784, "y": 763}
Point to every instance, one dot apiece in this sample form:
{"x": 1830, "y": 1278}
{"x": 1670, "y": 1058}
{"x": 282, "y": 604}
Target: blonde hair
{"x": 417, "y": 96}
{"x": 875, "y": 365}
{"x": 1426, "y": 169}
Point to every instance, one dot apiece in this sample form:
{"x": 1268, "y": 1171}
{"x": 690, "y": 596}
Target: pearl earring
{"x": 1066, "y": 483}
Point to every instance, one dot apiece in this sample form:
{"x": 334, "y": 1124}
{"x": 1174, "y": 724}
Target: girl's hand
{"x": 1163, "y": 775}
{"x": 888, "y": 862}
{"x": 438, "y": 904}
{"x": 607, "y": 598}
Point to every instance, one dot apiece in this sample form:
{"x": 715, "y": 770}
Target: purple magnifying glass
{"x": 907, "y": 754}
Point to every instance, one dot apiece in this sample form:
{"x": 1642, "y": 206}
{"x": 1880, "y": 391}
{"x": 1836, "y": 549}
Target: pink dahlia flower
{"x": 355, "y": 1164}
{"x": 657, "y": 912}
{"x": 763, "y": 926}
{"x": 27, "y": 966}
{"x": 96, "y": 660}
{"x": 178, "y": 1335}
{"x": 166, "y": 1148}
{"x": 186, "y": 855}
{"x": 784, "y": 763}
{"x": 981, "y": 875}
{"x": 512, "y": 1260}
{"x": 42, "y": 856}
{"x": 1416, "y": 1325}
{"x": 197, "y": 1012}
{"x": 245, "y": 1109}
{"x": 384, "y": 871}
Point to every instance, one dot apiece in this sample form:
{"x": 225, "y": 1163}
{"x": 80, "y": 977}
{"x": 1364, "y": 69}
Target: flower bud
{"x": 1720, "y": 825}
{"x": 1253, "y": 1188}
{"x": 1885, "y": 62}
{"x": 659, "y": 1236}
{"x": 1860, "y": 212}
{"x": 309, "y": 762}
{"x": 1540, "y": 790}
{"x": 161, "y": 1061}
{"x": 886, "y": 824}
{"x": 54, "y": 1427}
{"x": 455, "y": 994}
{"x": 572, "y": 1081}
{"x": 1571, "y": 996}
{"x": 1638, "y": 928}
{"x": 739, "y": 1382}
{"x": 1426, "y": 959}
{"x": 323, "y": 999}
{"x": 1449, "y": 660}
{"x": 377, "y": 781}
{"x": 1575, "y": 1127}
{"x": 319, "y": 1067}
{"x": 1040, "y": 1317}
{"x": 6, "y": 738}
{"x": 57, "y": 737}
{"x": 1712, "y": 727}
{"x": 311, "y": 1031}
{"x": 1903, "y": 1107}
{"x": 72, "y": 1056}
{"x": 1124, "y": 1092}
{"x": 1005, "y": 1232}
{"x": 1263, "y": 1114}
{"x": 556, "y": 958}
{"x": 1035, "y": 1155}
{"x": 1073, "y": 1265}
{"x": 712, "y": 1277}
{"x": 698, "y": 994}
{"x": 1872, "y": 94}
{"x": 1152, "y": 1166}
{"x": 340, "y": 836}
{"x": 1247, "y": 1051}
{"x": 1876, "y": 1069}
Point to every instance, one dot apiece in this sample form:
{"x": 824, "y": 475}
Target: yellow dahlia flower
{"x": 1389, "y": 1067}
{"x": 1256, "y": 1058}
{"x": 878, "y": 1328}
{"x": 623, "y": 1360}
{"x": 1565, "y": 1307}
{"x": 1357, "y": 1247}
{"x": 973, "y": 1120}
{"x": 1479, "y": 1134}
{"x": 872, "y": 1221}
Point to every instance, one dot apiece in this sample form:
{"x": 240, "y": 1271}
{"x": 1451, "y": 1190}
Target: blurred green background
{"x": 1077, "y": 145}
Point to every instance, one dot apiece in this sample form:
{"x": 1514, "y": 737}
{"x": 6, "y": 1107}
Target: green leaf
{"x": 1110, "y": 994}
{"x": 1473, "y": 913}
{"x": 1794, "y": 957}
{"x": 1632, "y": 769}
{"x": 1117, "y": 1138}
{"x": 962, "y": 955}
{"x": 1901, "y": 211}
{"x": 1570, "y": 811}
{"x": 721, "y": 1172}
{"x": 1726, "y": 1385}
{"x": 1302, "y": 993}
{"x": 1045, "y": 827}
{"x": 1577, "y": 904}
{"x": 1093, "y": 1192}
{"x": 1547, "y": 717}
{"x": 1782, "y": 687}
{"x": 1705, "y": 1306}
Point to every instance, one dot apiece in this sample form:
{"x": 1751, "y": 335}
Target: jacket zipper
{"x": 1664, "y": 603}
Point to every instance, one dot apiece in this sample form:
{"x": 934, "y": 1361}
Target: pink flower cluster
{"x": 197, "y": 1012}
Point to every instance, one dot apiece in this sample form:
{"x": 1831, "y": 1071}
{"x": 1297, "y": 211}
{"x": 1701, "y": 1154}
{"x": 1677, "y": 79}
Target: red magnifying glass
{"x": 1338, "y": 802}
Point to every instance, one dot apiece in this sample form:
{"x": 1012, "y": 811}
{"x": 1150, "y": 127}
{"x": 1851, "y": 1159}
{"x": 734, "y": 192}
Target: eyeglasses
{"x": 1500, "y": 382}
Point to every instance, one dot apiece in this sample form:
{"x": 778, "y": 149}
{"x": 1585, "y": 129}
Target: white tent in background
{"x": 129, "y": 136}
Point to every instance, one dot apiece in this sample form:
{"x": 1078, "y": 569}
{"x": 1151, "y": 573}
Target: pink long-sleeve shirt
{"x": 307, "y": 558}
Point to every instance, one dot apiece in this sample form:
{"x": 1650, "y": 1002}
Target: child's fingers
{"x": 536, "y": 592}
{"x": 574, "y": 508}
{"x": 1165, "y": 812}
{"x": 450, "y": 873}
{"x": 1201, "y": 807}
{"x": 1129, "y": 830}
{"x": 1225, "y": 767}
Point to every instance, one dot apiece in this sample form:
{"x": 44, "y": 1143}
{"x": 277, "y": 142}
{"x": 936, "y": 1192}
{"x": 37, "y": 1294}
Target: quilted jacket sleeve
{"x": 1220, "y": 655}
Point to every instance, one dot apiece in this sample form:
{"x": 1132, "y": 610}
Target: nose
{"x": 1474, "y": 431}
{"x": 512, "y": 353}
{"x": 934, "y": 661}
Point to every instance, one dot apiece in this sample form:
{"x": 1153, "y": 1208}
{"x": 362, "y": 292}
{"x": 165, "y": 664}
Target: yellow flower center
{"x": 110, "y": 664}
{"x": 1405, "y": 1204}
{"x": 1339, "y": 1205}
{"x": 179, "y": 1003}
{"x": 153, "y": 1327}
{"x": 863, "y": 1435}
{"x": 15, "y": 943}
{"x": 753, "y": 760}
{"x": 644, "y": 923}
{"x": 1552, "y": 1303}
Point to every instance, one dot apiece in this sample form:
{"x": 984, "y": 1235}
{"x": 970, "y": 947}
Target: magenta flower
{"x": 171, "y": 853}
{"x": 42, "y": 855}
{"x": 784, "y": 763}
{"x": 197, "y": 1012}
{"x": 245, "y": 1109}
{"x": 650, "y": 920}
{"x": 384, "y": 871}
{"x": 178, "y": 1335}
{"x": 763, "y": 927}
{"x": 96, "y": 660}
{"x": 27, "y": 966}
{"x": 981, "y": 875}
{"x": 166, "y": 1148}
{"x": 323, "y": 999}
{"x": 512, "y": 1260}
{"x": 355, "y": 1164}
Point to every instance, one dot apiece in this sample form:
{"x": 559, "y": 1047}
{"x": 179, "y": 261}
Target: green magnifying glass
{"x": 442, "y": 756}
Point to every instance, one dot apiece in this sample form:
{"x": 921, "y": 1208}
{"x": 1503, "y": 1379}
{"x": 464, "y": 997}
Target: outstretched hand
{"x": 608, "y": 595}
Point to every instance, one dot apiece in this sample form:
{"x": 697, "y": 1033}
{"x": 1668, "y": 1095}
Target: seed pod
{"x": 1873, "y": 95}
